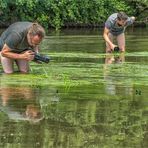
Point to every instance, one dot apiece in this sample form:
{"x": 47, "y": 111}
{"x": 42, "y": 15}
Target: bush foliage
{"x": 59, "y": 13}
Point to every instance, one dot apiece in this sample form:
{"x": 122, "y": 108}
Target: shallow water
{"x": 82, "y": 98}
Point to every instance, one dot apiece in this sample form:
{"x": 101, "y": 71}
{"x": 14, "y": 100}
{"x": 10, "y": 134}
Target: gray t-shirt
{"x": 15, "y": 36}
{"x": 114, "y": 29}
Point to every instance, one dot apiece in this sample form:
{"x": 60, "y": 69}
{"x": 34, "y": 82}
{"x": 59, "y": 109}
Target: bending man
{"x": 115, "y": 27}
{"x": 17, "y": 44}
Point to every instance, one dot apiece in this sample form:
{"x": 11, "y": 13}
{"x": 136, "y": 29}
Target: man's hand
{"x": 28, "y": 55}
{"x": 112, "y": 46}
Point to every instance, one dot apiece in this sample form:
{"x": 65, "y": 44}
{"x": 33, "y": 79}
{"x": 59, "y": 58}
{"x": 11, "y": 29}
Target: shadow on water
{"x": 82, "y": 98}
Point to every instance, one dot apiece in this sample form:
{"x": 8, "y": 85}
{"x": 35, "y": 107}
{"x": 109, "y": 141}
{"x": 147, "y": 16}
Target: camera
{"x": 41, "y": 58}
{"x": 116, "y": 49}
{"x": 38, "y": 57}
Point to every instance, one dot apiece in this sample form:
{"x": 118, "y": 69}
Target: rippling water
{"x": 82, "y": 98}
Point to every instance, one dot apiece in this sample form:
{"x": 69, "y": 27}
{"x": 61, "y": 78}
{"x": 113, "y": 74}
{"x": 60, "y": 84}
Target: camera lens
{"x": 46, "y": 59}
{"x": 41, "y": 58}
{"x": 116, "y": 49}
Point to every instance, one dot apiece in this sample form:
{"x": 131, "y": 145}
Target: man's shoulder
{"x": 23, "y": 22}
{"x": 113, "y": 16}
{"x": 20, "y": 24}
{"x": 111, "y": 19}
{"x": 19, "y": 27}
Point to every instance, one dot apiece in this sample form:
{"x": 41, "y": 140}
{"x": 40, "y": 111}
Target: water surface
{"x": 82, "y": 98}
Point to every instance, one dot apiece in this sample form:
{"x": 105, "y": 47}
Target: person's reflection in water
{"x": 19, "y": 104}
{"x": 33, "y": 112}
{"x": 110, "y": 86}
{"x": 111, "y": 58}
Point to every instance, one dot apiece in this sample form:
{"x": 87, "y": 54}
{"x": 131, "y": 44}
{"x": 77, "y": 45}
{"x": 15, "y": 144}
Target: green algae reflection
{"x": 82, "y": 98}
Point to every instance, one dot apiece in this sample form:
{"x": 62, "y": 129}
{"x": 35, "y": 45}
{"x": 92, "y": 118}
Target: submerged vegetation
{"x": 82, "y": 98}
{"x": 86, "y": 103}
{"x": 69, "y": 74}
{"x": 79, "y": 62}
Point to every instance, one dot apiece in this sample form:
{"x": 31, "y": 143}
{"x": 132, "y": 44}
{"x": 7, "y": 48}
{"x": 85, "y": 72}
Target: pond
{"x": 83, "y": 98}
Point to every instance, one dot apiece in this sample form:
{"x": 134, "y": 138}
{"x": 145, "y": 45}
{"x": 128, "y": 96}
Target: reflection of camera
{"x": 41, "y": 58}
{"x": 116, "y": 49}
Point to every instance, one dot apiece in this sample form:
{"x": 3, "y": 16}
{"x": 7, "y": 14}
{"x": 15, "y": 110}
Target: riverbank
{"x": 82, "y": 25}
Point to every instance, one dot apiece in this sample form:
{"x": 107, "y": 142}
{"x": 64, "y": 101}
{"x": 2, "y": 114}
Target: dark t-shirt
{"x": 15, "y": 36}
{"x": 114, "y": 29}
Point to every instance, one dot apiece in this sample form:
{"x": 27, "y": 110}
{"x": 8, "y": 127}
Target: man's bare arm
{"x": 6, "y": 52}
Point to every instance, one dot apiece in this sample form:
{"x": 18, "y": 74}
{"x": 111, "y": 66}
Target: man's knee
{"x": 122, "y": 49}
{"x": 24, "y": 71}
{"x": 8, "y": 71}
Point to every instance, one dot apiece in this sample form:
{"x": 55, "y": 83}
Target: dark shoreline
{"x": 77, "y": 25}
